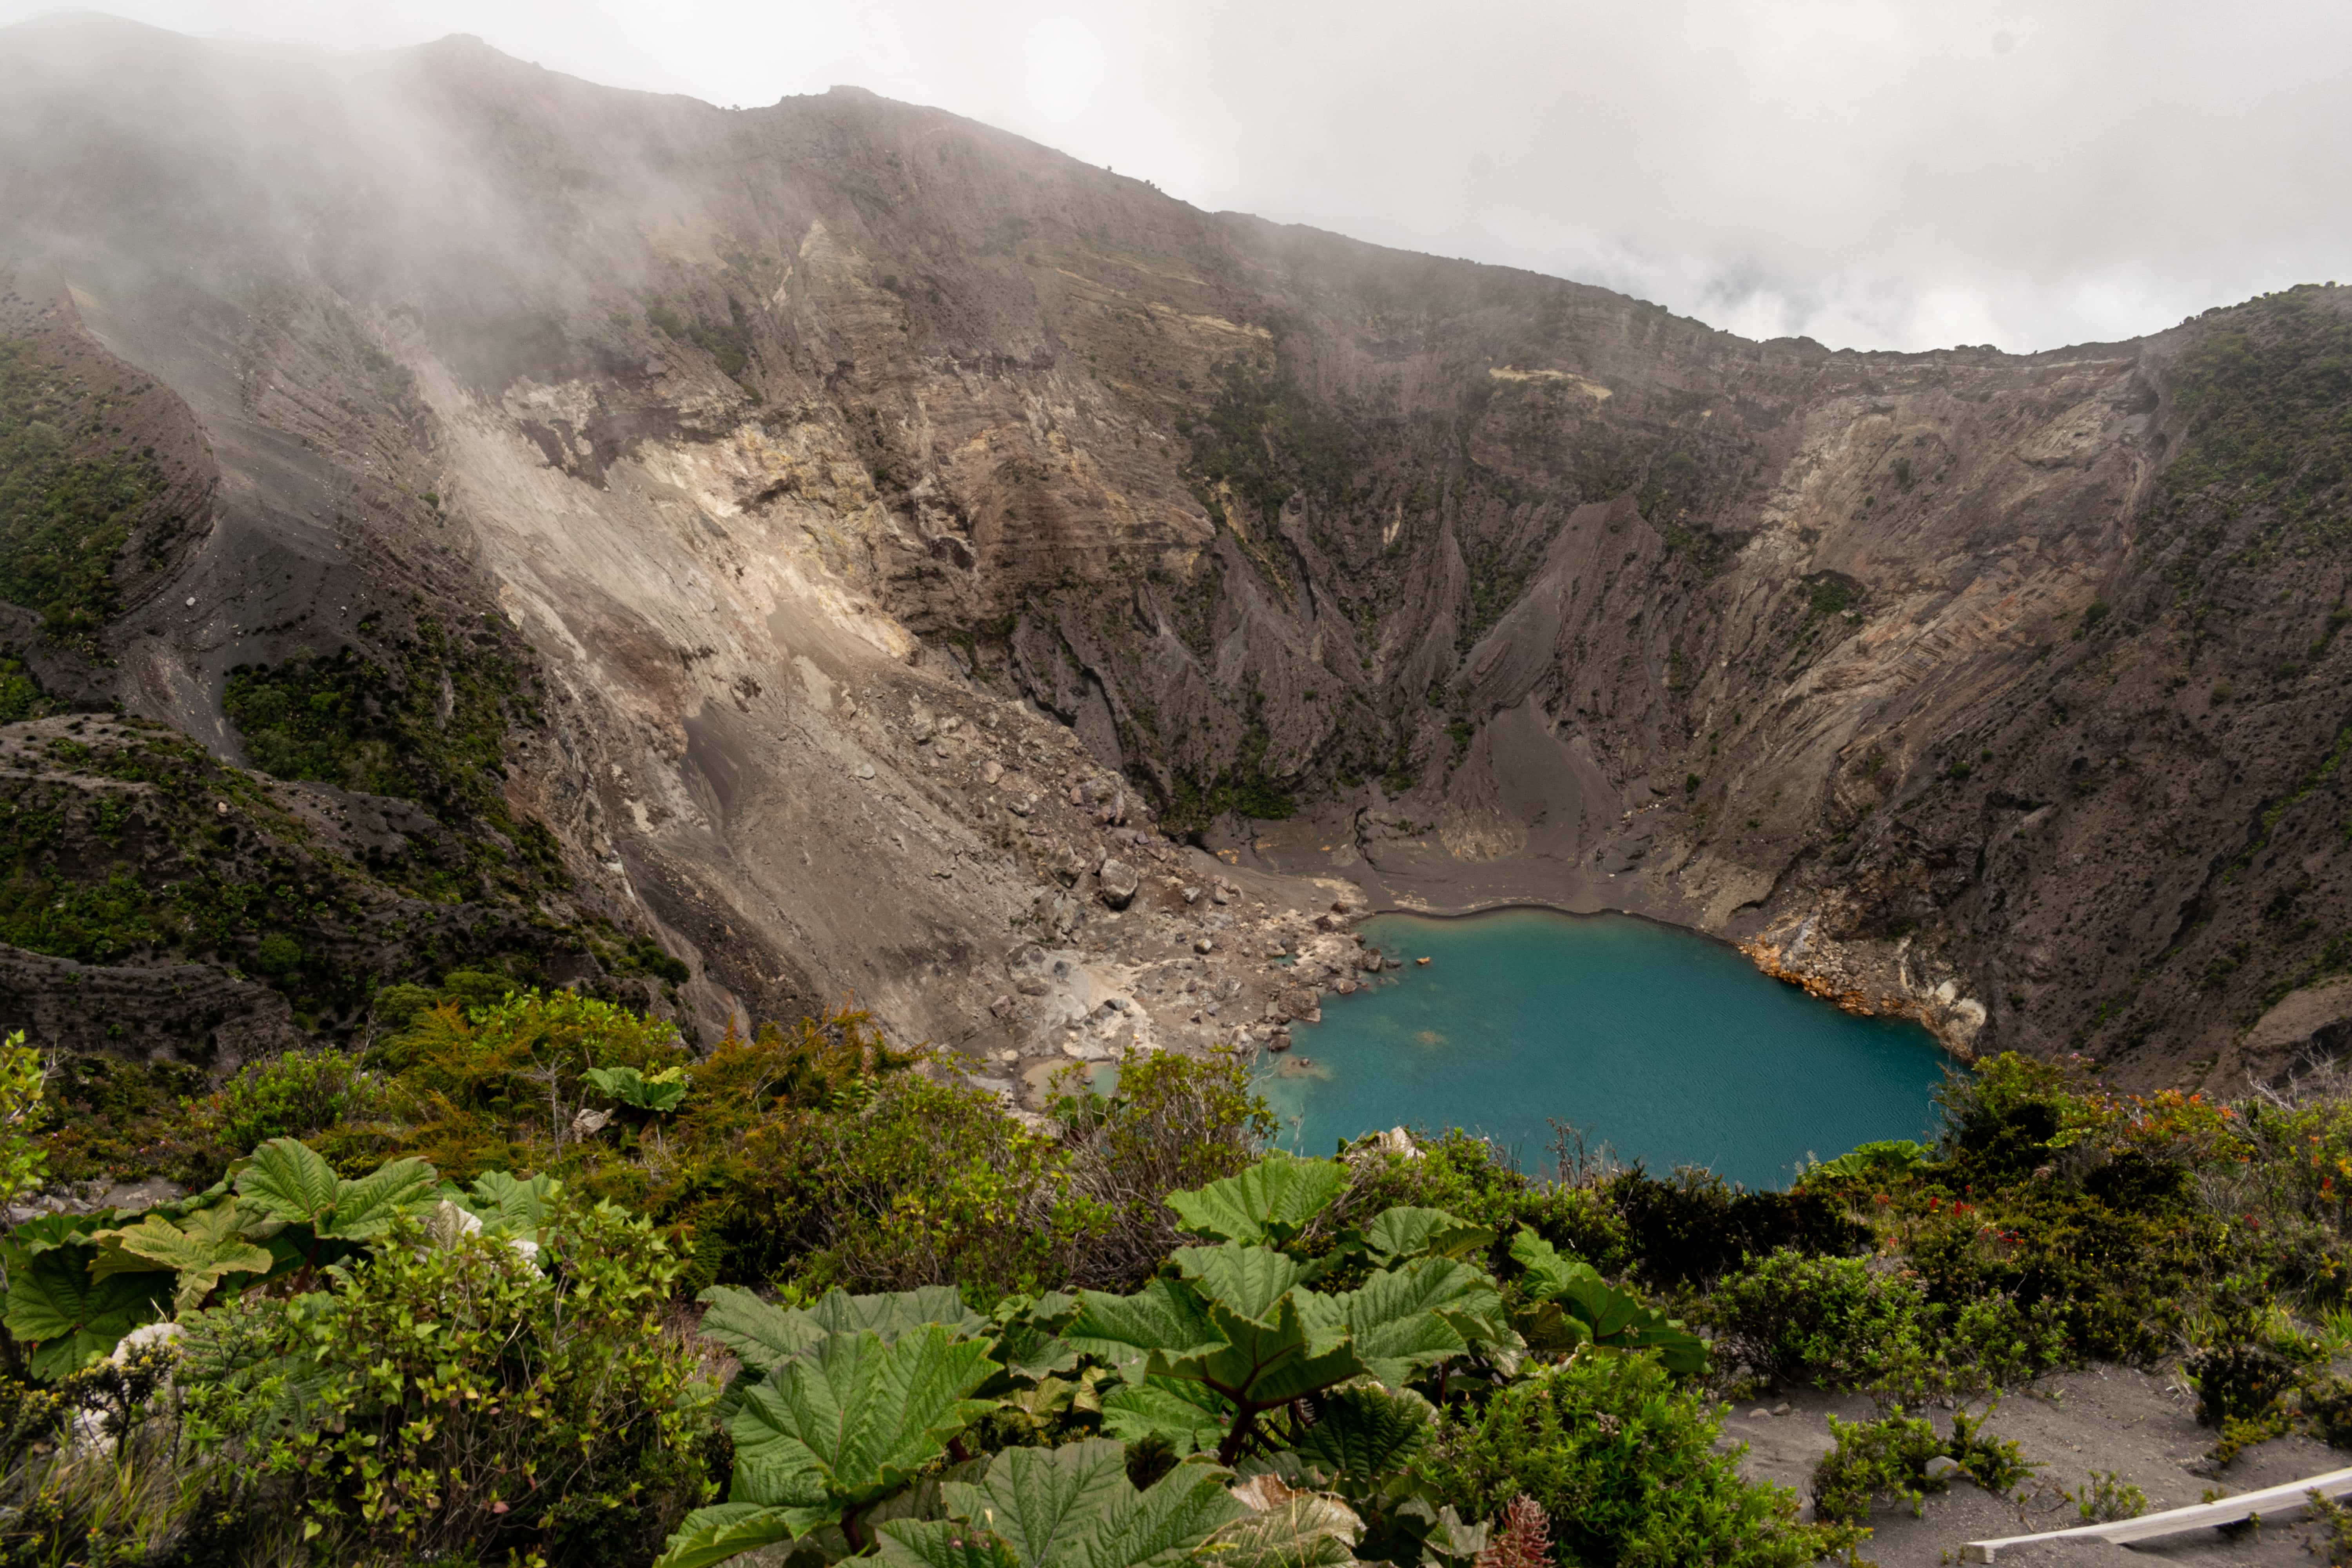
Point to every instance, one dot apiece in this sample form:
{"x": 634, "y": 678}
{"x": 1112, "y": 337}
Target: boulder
{"x": 1119, "y": 880}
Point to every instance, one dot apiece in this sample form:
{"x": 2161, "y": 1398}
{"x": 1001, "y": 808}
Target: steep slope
{"x": 731, "y": 452}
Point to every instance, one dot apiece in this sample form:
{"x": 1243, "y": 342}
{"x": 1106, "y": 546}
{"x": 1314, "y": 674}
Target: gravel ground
{"x": 2139, "y": 1426}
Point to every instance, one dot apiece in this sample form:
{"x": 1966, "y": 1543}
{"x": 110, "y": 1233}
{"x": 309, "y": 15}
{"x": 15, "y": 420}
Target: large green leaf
{"x": 1401, "y": 1318}
{"x": 891, "y": 1313}
{"x": 1166, "y": 1523}
{"x": 1403, "y": 1233}
{"x": 1265, "y": 1363}
{"x": 714, "y": 1534}
{"x": 1445, "y": 1541}
{"x": 1028, "y": 1335}
{"x": 779, "y": 1475}
{"x": 1070, "y": 1507}
{"x": 944, "y": 1544}
{"x": 1244, "y": 1280}
{"x": 1045, "y": 1501}
{"x": 289, "y": 1180}
{"x": 1192, "y": 1418}
{"x": 1363, "y": 1434}
{"x": 857, "y": 1416}
{"x": 664, "y": 1091}
{"x": 1167, "y": 1315}
{"x": 1611, "y": 1318}
{"x": 47, "y": 1233}
{"x": 1548, "y": 1273}
{"x": 508, "y": 1205}
{"x": 1307, "y": 1529}
{"x": 763, "y": 1335}
{"x": 1269, "y": 1204}
{"x": 200, "y": 1250}
{"x": 365, "y": 1210}
{"x": 71, "y": 1318}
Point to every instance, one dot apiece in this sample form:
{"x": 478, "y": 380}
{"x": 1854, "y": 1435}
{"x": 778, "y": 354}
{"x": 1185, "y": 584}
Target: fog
{"x": 1868, "y": 174}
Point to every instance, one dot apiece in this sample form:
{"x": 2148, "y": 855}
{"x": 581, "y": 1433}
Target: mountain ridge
{"x": 775, "y": 437}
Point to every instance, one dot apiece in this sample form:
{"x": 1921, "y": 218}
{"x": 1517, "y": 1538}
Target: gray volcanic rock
{"x": 1118, "y": 882}
{"x": 875, "y": 493}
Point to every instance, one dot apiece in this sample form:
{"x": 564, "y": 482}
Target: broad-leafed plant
{"x": 840, "y": 1406}
{"x": 1572, "y": 1305}
{"x": 661, "y": 1091}
{"x": 1284, "y": 1347}
{"x": 1071, "y": 1507}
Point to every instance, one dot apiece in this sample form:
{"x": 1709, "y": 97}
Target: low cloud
{"x": 1871, "y": 175}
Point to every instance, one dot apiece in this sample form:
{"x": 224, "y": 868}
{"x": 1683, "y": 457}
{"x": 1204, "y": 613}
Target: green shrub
{"x": 2237, "y": 1381}
{"x": 1468, "y": 1175}
{"x": 2335, "y": 1520}
{"x": 2326, "y": 1405}
{"x": 298, "y": 1095}
{"x": 2109, "y": 1497}
{"x": 1624, "y": 1467}
{"x": 1173, "y": 1122}
{"x": 1866, "y": 1323}
{"x": 22, "y": 1073}
{"x": 1693, "y": 1228}
{"x": 452, "y": 1397}
{"x": 1995, "y": 1464}
{"x": 397, "y": 1007}
{"x": 103, "y": 1118}
{"x": 925, "y": 1184}
{"x": 496, "y": 1087}
{"x": 1888, "y": 1458}
{"x": 68, "y": 506}
{"x": 1994, "y": 1343}
{"x": 474, "y": 989}
{"x": 1839, "y": 1322}
{"x": 1873, "y": 1459}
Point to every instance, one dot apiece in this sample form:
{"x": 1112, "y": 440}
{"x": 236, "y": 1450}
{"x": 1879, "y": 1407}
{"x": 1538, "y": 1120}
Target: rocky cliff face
{"x": 830, "y": 529}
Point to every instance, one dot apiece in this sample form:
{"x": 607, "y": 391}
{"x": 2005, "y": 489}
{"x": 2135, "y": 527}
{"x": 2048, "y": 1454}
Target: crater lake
{"x": 1665, "y": 1046}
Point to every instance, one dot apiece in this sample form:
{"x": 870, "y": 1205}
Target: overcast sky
{"x": 1894, "y": 174}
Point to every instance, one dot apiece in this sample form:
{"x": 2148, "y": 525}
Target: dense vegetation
{"x": 531, "y": 1281}
{"x": 1262, "y": 440}
{"x": 431, "y": 729}
{"x": 69, "y": 499}
{"x": 2266, "y": 390}
{"x": 125, "y": 842}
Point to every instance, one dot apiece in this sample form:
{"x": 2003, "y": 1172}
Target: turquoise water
{"x": 1667, "y": 1047}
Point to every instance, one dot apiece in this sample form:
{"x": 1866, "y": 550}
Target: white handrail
{"x": 2272, "y": 1502}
